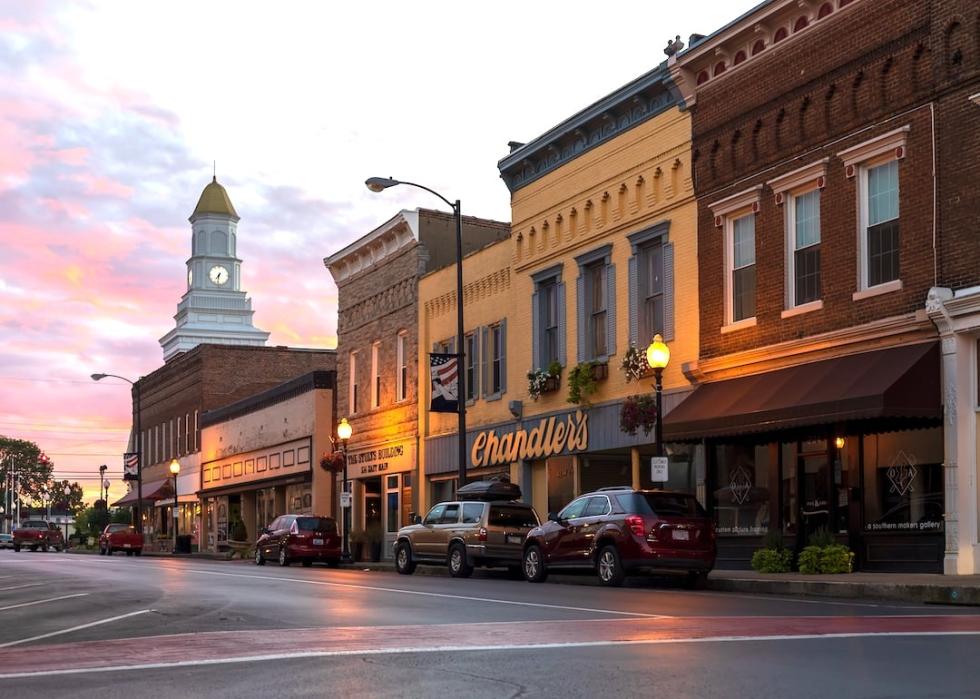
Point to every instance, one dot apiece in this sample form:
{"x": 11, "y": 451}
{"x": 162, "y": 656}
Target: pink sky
{"x": 111, "y": 114}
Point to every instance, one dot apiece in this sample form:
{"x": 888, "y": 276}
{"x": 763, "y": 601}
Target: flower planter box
{"x": 551, "y": 384}
{"x": 600, "y": 372}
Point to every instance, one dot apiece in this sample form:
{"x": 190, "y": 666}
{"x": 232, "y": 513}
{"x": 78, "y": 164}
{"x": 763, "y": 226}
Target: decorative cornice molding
{"x": 907, "y": 329}
{"x": 893, "y": 141}
{"x": 384, "y": 241}
{"x": 630, "y": 105}
{"x": 744, "y": 199}
{"x": 814, "y": 172}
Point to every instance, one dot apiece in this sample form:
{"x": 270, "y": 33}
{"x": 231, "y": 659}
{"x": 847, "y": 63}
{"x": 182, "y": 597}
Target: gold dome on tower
{"x": 214, "y": 200}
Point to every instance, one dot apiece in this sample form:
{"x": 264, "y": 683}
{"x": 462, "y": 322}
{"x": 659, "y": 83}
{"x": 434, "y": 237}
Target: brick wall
{"x": 838, "y": 84}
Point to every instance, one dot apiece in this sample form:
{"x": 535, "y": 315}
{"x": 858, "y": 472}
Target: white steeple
{"x": 214, "y": 310}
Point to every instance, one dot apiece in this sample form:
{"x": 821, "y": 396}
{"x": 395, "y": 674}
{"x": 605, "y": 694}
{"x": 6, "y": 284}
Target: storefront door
{"x": 815, "y": 502}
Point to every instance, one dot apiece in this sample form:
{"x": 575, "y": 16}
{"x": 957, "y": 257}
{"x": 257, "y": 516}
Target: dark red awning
{"x": 152, "y": 491}
{"x": 900, "y": 382}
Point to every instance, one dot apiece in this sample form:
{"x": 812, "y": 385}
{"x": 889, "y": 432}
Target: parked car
{"x": 617, "y": 531}
{"x": 38, "y": 535}
{"x": 120, "y": 537}
{"x": 6, "y": 541}
{"x": 466, "y": 534}
{"x": 305, "y": 538}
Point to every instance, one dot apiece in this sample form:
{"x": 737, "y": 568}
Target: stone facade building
{"x": 831, "y": 142}
{"x": 377, "y": 374}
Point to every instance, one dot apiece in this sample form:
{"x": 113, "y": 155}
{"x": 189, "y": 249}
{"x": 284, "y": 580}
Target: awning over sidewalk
{"x": 152, "y": 491}
{"x": 901, "y": 382}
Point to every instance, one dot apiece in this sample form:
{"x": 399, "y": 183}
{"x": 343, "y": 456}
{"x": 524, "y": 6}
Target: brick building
{"x": 377, "y": 335}
{"x": 817, "y": 130}
{"x": 174, "y": 397}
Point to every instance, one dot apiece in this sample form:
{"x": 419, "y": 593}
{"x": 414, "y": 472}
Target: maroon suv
{"x": 305, "y": 538}
{"x": 616, "y": 531}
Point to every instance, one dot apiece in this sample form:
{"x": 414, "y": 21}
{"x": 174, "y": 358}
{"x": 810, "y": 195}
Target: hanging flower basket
{"x": 333, "y": 462}
{"x": 634, "y": 365}
{"x": 638, "y": 412}
{"x": 543, "y": 381}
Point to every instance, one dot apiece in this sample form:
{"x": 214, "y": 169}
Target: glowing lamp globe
{"x": 174, "y": 467}
{"x": 344, "y": 430}
{"x": 658, "y": 354}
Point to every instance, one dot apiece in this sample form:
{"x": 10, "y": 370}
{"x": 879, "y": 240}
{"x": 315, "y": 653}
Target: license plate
{"x": 514, "y": 539}
{"x": 127, "y": 546}
{"x": 318, "y": 542}
{"x": 681, "y": 535}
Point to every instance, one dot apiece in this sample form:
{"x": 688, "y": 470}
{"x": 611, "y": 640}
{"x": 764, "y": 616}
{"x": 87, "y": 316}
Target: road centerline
{"x": 20, "y": 587}
{"x": 74, "y": 628}
{"x": 43, "y": 601}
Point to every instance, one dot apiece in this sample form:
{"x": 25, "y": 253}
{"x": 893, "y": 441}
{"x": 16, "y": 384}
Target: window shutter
{"x": 536, "y": 330}
{"x": 503, "y": 356}
{"x": 580, "y": 317}
{"x": 668, "y": 292}
{"x": 634, "y": 301}
{"x": 475, "y": 388}
{"x": 562, "y": 327}
{"x": 610, "y": 310}
{"x": 484, "y": 360}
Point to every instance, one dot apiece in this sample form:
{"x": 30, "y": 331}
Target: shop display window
{"x": 443, "y": 490}
{"x": 392, "y": 501}
{"x": 903, "y": 481}
{"x": 740, "y": 500}
{"x": 683, "y": 463}
{"x": 602, "y": 471}
{"x": 561, "y": 482}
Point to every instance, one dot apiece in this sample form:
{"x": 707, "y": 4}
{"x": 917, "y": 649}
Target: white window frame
{"x": 858, "y": 160}
{"x": 726, "y": 211}
{"x": 401, "y": 369}
{"x": 376, "y": 374}
{"x": 352, "y": 387}
{"x": 495, "y": 357}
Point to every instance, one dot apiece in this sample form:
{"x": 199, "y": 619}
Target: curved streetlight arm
{"x": 432, "y": 191}
{"x": 379, "y": 184}
{"x": 99, "y": 377}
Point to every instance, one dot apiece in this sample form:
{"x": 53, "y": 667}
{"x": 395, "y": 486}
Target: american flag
{"x": 445, "y": 383}
{"x": 131, "y": 464}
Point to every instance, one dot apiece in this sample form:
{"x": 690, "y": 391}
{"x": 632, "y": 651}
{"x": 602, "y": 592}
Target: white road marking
{"x": 20, "y": 587}
{"x": 421, "y": 593}
{"x": 73, "y": 628}
{"x": 43, "y": 601}
{"x": 466, "y": 649}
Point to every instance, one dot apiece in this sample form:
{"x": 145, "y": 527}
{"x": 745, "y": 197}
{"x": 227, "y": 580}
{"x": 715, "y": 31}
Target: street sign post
{"x": 345, "y": 499}
{"x": 658, "y": 469}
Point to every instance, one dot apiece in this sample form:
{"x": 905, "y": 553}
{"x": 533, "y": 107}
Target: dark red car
{"x": 120, "y": 537}
{"x": 616, "y": 531}
{"x": 38, "y": 535}
{"x": 305, "y": 538}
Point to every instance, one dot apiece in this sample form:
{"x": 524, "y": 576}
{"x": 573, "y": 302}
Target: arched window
{"x": 719, "y": 68}
{"x": 844, "y": 2}
{"x": 800, "y": 24}
{"x": 781, "y": 34}
{"x": 219, "y": 243}
{"x": 702, "y": 77}
{"x": 739, "y": 57}
{"x": 825, "y": 10}
{"x": 758, "y": 47}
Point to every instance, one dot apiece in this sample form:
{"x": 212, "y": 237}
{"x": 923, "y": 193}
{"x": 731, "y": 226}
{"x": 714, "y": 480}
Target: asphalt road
{"x": 81, "y": 626}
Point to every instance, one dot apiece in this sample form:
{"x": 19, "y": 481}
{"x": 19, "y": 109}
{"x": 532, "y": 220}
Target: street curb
{"x": 922, "y": 594}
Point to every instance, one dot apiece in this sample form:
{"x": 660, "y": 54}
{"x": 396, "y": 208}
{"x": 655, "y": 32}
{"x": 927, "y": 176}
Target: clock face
{"x": 190, "y": 276}
{"x": 218, "y": 275}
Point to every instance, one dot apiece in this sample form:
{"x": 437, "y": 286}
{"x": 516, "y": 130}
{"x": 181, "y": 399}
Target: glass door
{"x": 816, "y": 507}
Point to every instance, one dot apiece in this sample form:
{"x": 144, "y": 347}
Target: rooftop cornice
{"x": 389, "y": 237}
{"x": 643, "y": 98}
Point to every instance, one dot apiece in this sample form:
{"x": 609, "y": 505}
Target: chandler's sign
{"x": 552, "y": 436}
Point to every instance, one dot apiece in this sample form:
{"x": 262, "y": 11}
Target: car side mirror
{"x": 416, "y": 518}
{"x": 266, "y": 530}
{"x": 553, "y": 517}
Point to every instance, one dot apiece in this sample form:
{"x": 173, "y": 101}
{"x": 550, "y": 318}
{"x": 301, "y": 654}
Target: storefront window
{"x": 903, "y": 481}
{"x": 790, "y": 487}
{"x": 741, "y": 489}
{"x": 683, "y": 462}
{"x": 603, "y": 471}
{"x": 561, "y": 482}
{"x": 391, "y": 495}
{"x": 443, "y": 490}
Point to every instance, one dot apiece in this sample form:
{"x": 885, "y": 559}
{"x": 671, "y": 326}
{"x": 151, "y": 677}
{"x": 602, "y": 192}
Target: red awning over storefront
{"x": 152, "y": 491}
{"x": 901, "y": 382}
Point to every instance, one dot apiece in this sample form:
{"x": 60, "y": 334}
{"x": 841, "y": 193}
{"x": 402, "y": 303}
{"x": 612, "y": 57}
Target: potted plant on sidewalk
{"x": 774, "y": 557}
{"x": 825, "y": 555}
{"x": 238, "y": 540}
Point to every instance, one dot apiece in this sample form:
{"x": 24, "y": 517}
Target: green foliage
{"x": 554, "y": 369}
{"x": 835, "y": 558}
{"x": 771, "y": 560}
{"x": 581, "y": 384}
{"x": 91, "y": 521}
{"x": 25, "y": 457}
{"x": 238, "y": 532}
{"x": 122, "y": 515}
{"x": 822, "y": 537}
{"x": 774, "y": 540}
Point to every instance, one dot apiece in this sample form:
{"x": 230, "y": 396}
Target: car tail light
{"x": 635, "y": 524}
{"x": 483, "y": 534}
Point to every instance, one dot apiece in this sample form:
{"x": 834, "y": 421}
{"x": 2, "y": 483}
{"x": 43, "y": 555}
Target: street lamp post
{"x": 379, "y": 184}
{"x": 658, "y": 355}
{"x": 67, "y": 503}
{"x": 138, "y": 428}
{"x": 344, "y": 431}
{"x": 174, "y": 470}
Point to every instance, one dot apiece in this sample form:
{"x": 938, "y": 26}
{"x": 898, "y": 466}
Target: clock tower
{"x": 214, "y": 310}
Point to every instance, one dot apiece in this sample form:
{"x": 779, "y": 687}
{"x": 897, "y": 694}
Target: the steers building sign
{"x": 550, "y": 437}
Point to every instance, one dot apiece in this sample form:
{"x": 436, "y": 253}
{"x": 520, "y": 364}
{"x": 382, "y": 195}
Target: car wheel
{"x": 403, "y": 559}
{"x": 259, "y": 558}
{"x": 16, "y": 549}
{"x": 138, "y": 552}
{"x": 101, "y": 550}
{"x": 697, "y": 579}
{"x": 283, "y": 557}
{"x": 459, "y": 567}
{"x": 333, "y": 563}
{"x": 129, "y": 554}
{"x": 307, "y": 563}
{"x": 609, "y": 567}
{"x": 515, "y": 572}
{"x": 534, "y": 568}
{"x": 34, "y": 549}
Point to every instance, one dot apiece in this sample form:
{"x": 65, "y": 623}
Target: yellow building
{"x": 603, "y": 256}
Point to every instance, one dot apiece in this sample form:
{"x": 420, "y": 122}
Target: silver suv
{"x": 465, "y": 534}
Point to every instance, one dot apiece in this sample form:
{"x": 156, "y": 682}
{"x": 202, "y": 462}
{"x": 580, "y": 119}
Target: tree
{"x": 27, "y": 459}
{"x": 73, "y": 502}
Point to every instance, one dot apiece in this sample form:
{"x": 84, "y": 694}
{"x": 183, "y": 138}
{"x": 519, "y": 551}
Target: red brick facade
{"x": 862, "y": 72}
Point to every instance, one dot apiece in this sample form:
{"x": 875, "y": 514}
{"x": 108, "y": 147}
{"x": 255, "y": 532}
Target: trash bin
{"x": 184, "y": 543}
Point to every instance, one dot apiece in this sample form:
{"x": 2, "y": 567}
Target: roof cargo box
{"x": 489, "y": 490}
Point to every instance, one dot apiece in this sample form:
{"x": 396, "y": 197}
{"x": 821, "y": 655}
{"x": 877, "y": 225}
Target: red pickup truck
{"x": 38, "y": 535}
{"x": 120, "y": 537}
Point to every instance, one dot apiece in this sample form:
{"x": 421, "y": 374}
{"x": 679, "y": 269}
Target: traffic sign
{"x": 658, "y": 468}
{"x": 345, "y": 500}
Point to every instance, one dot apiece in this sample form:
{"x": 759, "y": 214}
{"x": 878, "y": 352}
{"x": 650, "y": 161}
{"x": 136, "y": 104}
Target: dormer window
{"x": 758, "y": 47}
{"x": 781, "y": 34}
